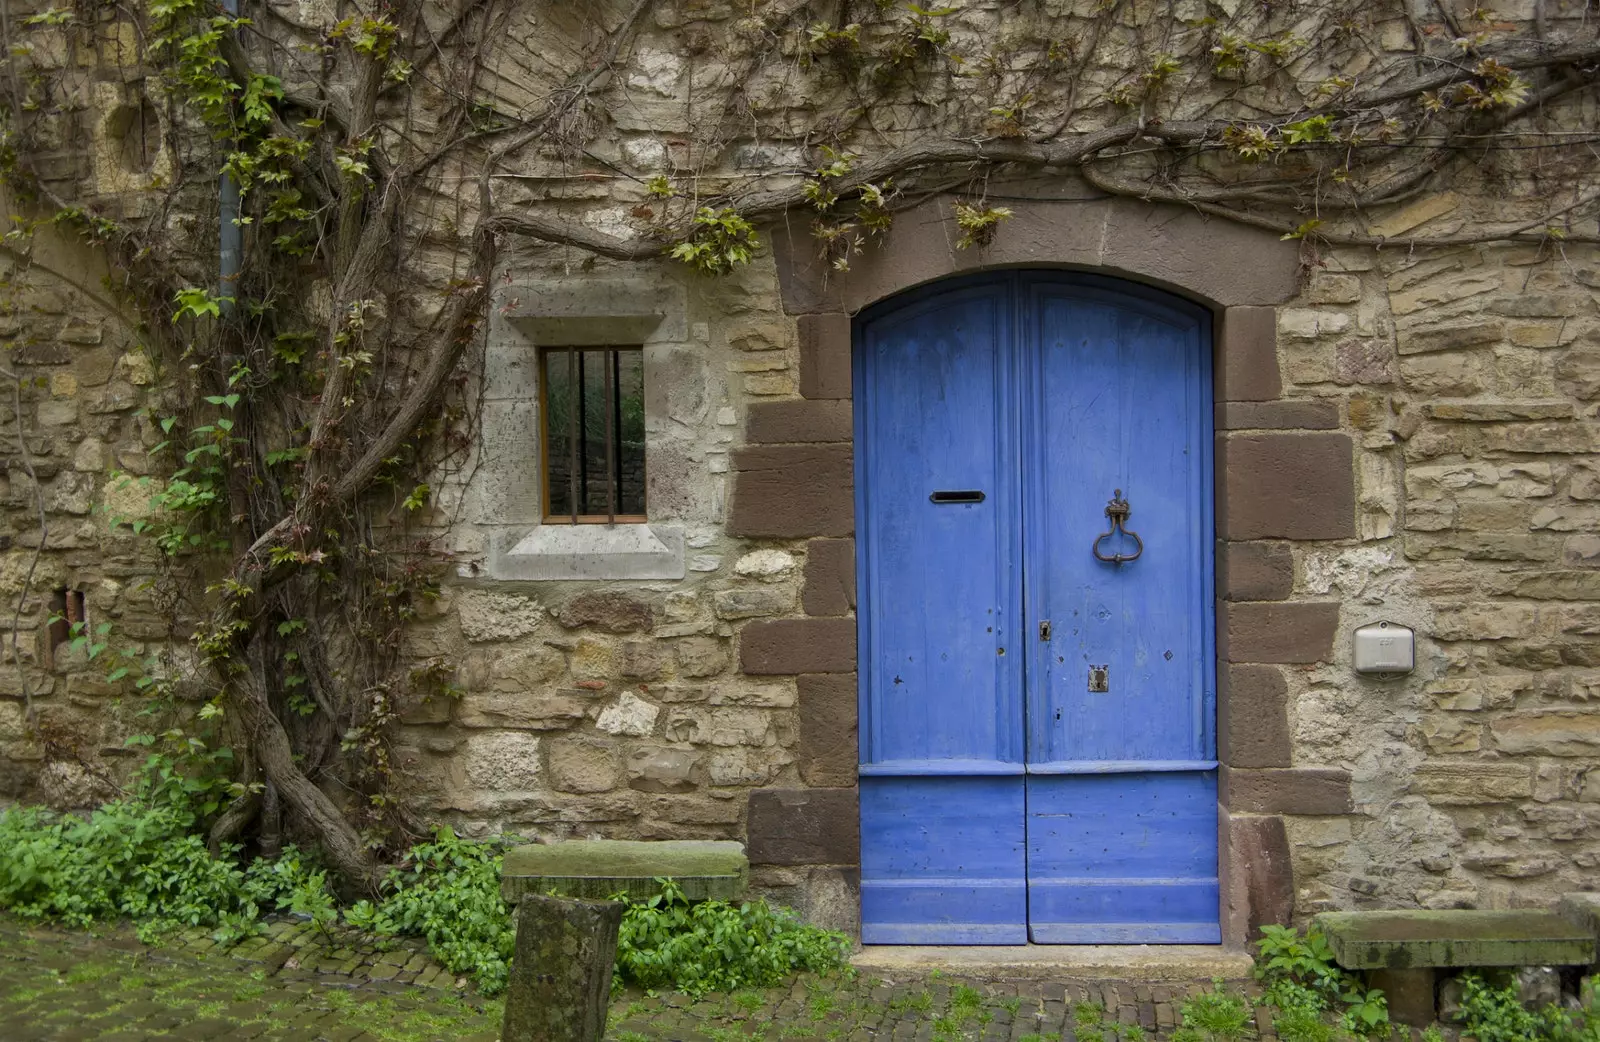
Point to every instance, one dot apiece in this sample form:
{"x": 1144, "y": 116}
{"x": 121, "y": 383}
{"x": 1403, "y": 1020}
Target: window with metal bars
{"x": 592, "y": 401}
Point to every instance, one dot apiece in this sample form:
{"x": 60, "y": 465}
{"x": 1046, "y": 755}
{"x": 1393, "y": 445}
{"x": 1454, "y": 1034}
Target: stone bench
{"x": 596, "y": 869}
{"x": 1402, "y": 950}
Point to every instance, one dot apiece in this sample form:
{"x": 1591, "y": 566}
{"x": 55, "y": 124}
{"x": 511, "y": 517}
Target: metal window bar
{"x": 578, "y": 461}
{"x": 574, "y": 398}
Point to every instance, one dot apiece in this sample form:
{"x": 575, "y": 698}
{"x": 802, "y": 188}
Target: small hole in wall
{"x": 135, "y": 131}
{"x": 66, "y": 611}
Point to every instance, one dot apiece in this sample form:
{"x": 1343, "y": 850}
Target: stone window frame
{"x": 583, "y": 311}
{"x": 1284, "y": 472}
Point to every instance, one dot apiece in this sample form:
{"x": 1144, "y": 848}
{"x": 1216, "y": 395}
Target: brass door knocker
{"x": 1118, "y": 510}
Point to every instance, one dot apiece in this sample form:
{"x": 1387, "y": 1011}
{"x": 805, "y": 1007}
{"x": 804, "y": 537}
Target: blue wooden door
{"x": 1002, "y": 799}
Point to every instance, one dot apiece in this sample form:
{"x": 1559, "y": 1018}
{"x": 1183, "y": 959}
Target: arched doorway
{"x": 1037, "y": 704}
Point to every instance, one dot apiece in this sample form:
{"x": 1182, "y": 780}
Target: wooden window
{"x": 592, "y": 401}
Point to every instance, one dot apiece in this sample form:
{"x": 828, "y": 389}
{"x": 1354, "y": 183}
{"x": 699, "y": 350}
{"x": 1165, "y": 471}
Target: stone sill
{"x": 555, "y": 552}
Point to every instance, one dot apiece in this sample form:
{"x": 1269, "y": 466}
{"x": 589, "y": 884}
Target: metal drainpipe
{"x": 231, "y": 235}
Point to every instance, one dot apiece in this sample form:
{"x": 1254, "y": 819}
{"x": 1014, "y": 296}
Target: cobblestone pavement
{"x": 299, "y": 985}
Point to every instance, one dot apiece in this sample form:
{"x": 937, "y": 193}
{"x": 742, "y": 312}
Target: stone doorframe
{"x": 1284, "y": 472}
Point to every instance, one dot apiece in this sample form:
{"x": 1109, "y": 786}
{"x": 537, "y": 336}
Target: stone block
{"x": 793, "y": 491}
{"x": 1558, "y": 733}
{"x": 798, "y": 421}
{"x": 749, "y": 604}
{"x": 1257, "y": 571}
{"x": 1583, "y": 909}
{"x": 560, "y": 985}
{"x": 661, "y": 770}
{"x": 824, "y": 355}
{"x": 1300, "y": 415}
{"x": 798, "y": 646}
{"x": 606, "y": 610}
{"x": 542, "y": 709}
{"x": 1286, "y": 486}
{"x": 1258, "y": 883}
{"x": 1279, "y": 631}
{"x": 1296, "y": 790}
{"x": 1410, "y": 994}
{"x": 1473, "y": 782}
{"x": 804, "y": 827}
{"x": 1247, "y": 355}
{"x": 598, "y": 868}
{"x": 1455, "y": 937}
{"x": 830, "y": 577}
{"x": 582, "y": 765}
{"x": 1252, "y": 717}
{"x": 828, "y": 751}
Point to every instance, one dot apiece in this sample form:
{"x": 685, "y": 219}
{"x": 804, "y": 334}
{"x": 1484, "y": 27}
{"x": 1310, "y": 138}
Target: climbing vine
{"x": 382, "y": 169}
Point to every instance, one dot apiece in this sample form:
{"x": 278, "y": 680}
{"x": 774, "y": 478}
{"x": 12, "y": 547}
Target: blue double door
{"x": 1037, "y": 739}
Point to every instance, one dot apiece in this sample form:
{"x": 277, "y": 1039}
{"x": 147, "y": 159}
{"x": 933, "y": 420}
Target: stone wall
{"x": 84, "y": 385}
{"x": 1405, "y": 433}
{"x": 1449, "y": 395}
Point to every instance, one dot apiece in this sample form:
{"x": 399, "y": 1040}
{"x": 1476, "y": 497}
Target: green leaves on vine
{"x": 978, "y": 223}
{"x": 720, "y": 242}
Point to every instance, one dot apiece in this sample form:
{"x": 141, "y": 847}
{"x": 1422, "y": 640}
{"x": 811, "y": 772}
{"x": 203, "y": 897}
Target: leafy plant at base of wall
{"x": 666, "y": 941}
{"x": 448, "y": 892}
{"x": 1304, "y": 981}
{"x": 1215, "y": 1015}
{"x": 144, "y": 857}
{"x": 1493, "y": 1014}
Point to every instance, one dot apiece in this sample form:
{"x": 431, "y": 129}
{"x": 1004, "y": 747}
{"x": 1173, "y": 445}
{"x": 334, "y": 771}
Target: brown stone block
{"x": 1308, "y": 416}
{"x": 1252, "y": 717}
{"x": 804, "y": 827}
{"x": 830, "y": 577}
{"x": 1247, "y": 355}
{"x": 825, "y": 355}
{"x": 828, "y": 754}
{"x": 1271, "y": 631}
{"x": 790, "y": 491}
{"x": 1258, "y": 884}
{"x": 1256, "y": 571}
{"x": 1286, "y": 486}
{"x": 798, "y": 646}
{"x": 798, "y": 421}
{"x": 1297, "y": 790}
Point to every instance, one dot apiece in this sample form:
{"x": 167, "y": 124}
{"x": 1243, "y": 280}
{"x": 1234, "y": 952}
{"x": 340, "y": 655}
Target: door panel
{"x": 1118, "y": 405}
{"x": 942, "y": 820}
{"x": 1001, "y": 799}
{"x": 1123, "y": 858}
{"x": 944, "y": 861}
{"x": 937, "y": 678}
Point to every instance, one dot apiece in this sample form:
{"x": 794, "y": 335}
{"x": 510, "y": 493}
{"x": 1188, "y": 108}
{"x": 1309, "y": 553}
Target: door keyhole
{"x": 1100, "y": 678}
{"x": 1044, "y": 630}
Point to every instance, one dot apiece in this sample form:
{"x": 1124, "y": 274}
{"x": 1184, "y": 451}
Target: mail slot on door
{"x": 1385, "y": 649}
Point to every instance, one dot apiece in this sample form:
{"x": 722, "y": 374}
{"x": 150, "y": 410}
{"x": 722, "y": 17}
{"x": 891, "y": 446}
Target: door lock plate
{"x": 1100, "y": 678}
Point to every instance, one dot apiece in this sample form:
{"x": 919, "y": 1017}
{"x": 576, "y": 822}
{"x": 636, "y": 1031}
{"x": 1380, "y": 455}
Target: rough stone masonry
{"x": 1408, "y": 434}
